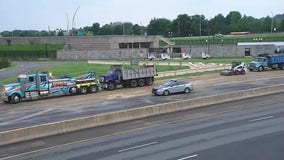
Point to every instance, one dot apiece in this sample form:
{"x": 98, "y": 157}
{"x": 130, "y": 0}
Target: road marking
{"x": 262, "y": 118}
{"x": 139, "y": 146}
{"x": 188, "y": 157}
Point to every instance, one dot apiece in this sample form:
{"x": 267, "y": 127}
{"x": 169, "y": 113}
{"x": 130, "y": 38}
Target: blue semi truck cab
{"x": 267, "y": 62}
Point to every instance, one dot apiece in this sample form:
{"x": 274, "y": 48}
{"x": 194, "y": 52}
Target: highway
{"x": 68, "y": 107}
{"x": 246, "y": 129}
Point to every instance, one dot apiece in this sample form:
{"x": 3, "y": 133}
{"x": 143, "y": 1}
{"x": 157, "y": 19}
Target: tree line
{"x": 183, "y": 26}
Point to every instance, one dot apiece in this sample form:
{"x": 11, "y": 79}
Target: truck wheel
{"x": 111, "y": 86}
{"x": 15, "y": 98}
{"x": 133, "y": 83}
{"x": 73, "y": 90}
{"x": 83, "y": 90}
{"x": 260, "y": 69}
{"x": 93, "y": 89}
{"x": 243, "y": 72}
{"x": 166, "y": 93}
{"x": 149, "y": 81}
{"x": 141, "y": 82}
{"x": 250, "y": 69}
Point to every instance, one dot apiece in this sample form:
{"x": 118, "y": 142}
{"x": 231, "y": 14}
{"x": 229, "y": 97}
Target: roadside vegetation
{"x": 4, "y": 63}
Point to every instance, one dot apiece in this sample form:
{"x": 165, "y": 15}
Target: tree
{"x": 233, "y": 22}
{"x": 217, "y": 24}
{"x": 281, "y": 26}
{"x": 181, "y": 26}
{"x": 159, "y": 26}
{"x": 106, "y": 30}
{"x": 96, "y": 28}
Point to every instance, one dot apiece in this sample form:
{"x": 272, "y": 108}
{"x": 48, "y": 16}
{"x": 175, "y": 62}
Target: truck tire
{"x": 133, "y": 83}
{"x": 149, "y": 81}
{"x": 15, "y": 98}
{"x": 141, "y": 82}
{"x": 111, "y": 86}
{"x": 243, "y": 72}
{"x": 83, "y": 90}
{"x": 93, "y": 89}
{"x": 260, "y": 69}
{"x": 73, "y": 90}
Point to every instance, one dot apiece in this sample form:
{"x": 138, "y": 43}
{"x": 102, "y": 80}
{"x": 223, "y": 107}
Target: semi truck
{"x": 267, "y": 62}
{"x": 128, "y": 76}
{"x": 35, "y": 86}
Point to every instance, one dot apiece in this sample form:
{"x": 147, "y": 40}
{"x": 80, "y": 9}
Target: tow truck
{"x": 238, "y": 68}
{"x": 35, "y": 86}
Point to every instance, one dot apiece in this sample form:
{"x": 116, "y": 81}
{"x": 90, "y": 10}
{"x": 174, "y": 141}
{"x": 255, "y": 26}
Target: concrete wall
{"x": 228, "y": 50}
{"x": 33, "y": 132}
{"x": 102, "y": 54}
{"x": 107, "y": 47}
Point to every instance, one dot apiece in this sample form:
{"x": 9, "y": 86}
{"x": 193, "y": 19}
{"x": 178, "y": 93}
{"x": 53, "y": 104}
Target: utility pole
{"x": 271, "y": 28}
{"x": 200, "y": 25}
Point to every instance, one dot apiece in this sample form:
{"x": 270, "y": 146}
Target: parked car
{"x": 173, "y": 86}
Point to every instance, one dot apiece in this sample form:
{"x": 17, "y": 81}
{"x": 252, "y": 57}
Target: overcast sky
{"x": 39, "y": 14}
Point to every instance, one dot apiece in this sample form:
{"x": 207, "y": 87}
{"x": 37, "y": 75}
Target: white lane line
{"x": 262, "y": 118}
{"x": 188, "y": 157}
{"x": 135, "y": 147}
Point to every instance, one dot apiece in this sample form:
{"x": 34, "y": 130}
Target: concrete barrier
{"x": 38, "y": 131}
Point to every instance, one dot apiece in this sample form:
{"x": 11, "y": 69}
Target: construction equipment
{"x": 238, "y": 68}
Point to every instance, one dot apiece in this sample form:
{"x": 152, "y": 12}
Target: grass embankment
{"x": 228, "y": 39}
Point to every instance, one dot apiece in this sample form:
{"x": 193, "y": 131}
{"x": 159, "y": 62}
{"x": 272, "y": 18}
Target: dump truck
{"x": 237, "y": 68}
{"x": 128, "y": 76}
{"x": 267, "y": 62}
{"x": 35, "y": 86}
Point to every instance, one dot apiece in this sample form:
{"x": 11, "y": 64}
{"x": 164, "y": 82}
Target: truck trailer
{"x": 128, "y": 76}
{"x": 267, "y": 62}
{"x": 35, "y": 86}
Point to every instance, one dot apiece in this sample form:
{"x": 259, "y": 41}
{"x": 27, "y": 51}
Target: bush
{"x": 4, "y": 63}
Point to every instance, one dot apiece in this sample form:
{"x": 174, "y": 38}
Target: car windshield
{"x": 170, "y": 83}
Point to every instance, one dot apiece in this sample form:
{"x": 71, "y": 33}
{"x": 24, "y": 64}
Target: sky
{"x": 52, "y": 14}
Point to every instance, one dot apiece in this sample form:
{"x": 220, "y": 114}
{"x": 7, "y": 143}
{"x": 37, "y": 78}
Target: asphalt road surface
{"x": 246, "y": 129}
{"x": 68, "y": 107}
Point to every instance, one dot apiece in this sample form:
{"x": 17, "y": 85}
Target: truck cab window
{"x": 31, "y": 79}
{"x": 43, "y": 78}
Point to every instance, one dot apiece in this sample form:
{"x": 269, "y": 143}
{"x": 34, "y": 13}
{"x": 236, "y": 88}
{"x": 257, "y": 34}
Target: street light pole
{"x": 271, "y": 28}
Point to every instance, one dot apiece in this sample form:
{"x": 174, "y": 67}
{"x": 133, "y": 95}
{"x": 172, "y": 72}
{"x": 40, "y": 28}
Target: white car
{"x": 173, "y": 86}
